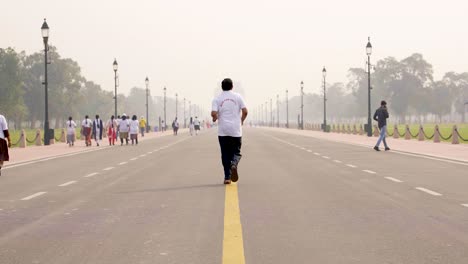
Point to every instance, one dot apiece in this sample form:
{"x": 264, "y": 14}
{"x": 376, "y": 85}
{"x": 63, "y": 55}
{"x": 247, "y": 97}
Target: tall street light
{"x": 165, "y": 116}
{"x": 115, "y": 66}
{"x": 287, "y": 109}
{"x": 324, "y": 74}
{"x": 266, "y": 113}
{"x": 277, "y": 110}
{"x": 147, "y": 115}
{"x": 177, "y": 104}
{"x": 271, "y": 112}
{"x": 302, "y": 105}
{"x": 45, "y": 37}
{"x": 369, "y": 124}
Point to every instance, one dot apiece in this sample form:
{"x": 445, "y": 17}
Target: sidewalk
{"x": 427, "y": 148}
{"x": 31, "y": 153}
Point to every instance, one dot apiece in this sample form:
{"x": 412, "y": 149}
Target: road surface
{"x": 298, "y": 200}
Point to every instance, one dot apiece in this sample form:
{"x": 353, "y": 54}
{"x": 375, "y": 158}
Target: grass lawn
{"x": 444, "y": 129}
{"x": 31, "y": 135}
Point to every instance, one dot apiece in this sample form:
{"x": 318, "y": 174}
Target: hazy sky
{"x": 267, "y": 46}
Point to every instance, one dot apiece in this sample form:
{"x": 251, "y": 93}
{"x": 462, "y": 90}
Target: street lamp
{"x": 165, "y": 117}
{"x": 302, "y": 105}
{"x": 277, "y": 110}
{"x": 147, "y": 115}
{"x": 287, "y": 109}
{"x": 271, "y": 112}
{"x": 324, "y": 74}
{"x": 115, "y": 66}
{"x": 45, "y": 36}
{"x": 369, "y": 124}
{"x": 266, "y": 113}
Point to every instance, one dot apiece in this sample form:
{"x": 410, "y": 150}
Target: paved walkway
{"x": 439, "y": 150}
{"x": 30, "y": 153}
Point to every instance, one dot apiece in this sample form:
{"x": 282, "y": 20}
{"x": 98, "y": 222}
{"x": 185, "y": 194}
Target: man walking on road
{"x": 196, "y": 124}
{"x": 4, "y": 136}
{"x": 227, "y": 108}
{"x": 86, "y": 129}
{"x": 381, "y": 116}
{"x": 97, "y": 130}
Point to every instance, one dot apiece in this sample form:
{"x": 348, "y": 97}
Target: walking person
{"x": 142, "y": 126}
{"x": 381, "y": 116}
{"x": 86, "y": 128}
{"x": 191, "y": 126}
{"x": 123, "y": 128}
{"x": 111, "y": 127}
{"x": 97, "y": 130}
{"x": 71, "y": 125}
{"x": 227, "y": 108}
{"x": 175, "y": 126}
{"x": 4, "y": 145}
{"x": 134, "y": 130}
{"x": 197, "y": 125}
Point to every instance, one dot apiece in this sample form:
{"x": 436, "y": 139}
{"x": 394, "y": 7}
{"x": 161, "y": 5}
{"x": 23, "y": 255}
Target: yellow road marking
{"x": 233, "y": 244}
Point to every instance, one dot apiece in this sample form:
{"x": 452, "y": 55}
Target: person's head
{"x": 383, "y": 104}
{"x": 226, "y": 84}
{"x": 112, "y": 117}
{"x": 97, "y": 116}
{"x": 124, "y": 116}
{"x": 70, "y": 118}
{"x": 118, "y": 117}
{"x": 86, "y": 116}
{"x": 134, "y": 117}
{"x": 141, "y": 117}
{"x": 196, "y": 117}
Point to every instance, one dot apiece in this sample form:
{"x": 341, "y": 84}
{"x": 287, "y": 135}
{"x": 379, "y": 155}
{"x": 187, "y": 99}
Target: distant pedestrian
{"x": 196, "y": 124}
{"x": 71, "y": 125}
{"x": 381, "y": 116}
{"x": 142, "y": 126}
{"x": 97, "y": 130}
{"x": 227, "y": 108}
{"x": 163, "y": 126}
{"x": 111, "y": 127}
{"x": 86, "y": 126}
{"x": 134, "y": 129}
{"x": 123, "y": 128}
{"x": 4, "y": 145}
{"x": 191, "y": 126}
{"x": 175, "y": 126}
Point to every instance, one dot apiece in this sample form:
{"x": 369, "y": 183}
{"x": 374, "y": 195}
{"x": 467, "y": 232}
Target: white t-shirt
{"x": 124, "y": 125}
{"x": 229, "y": 105}
{"x": 196, "y": 122}
{"x": 71, "y": 125}
{"x": 134, "y": 125}
{"x": 3, "y": 126}
{"x": 87, "y": 123}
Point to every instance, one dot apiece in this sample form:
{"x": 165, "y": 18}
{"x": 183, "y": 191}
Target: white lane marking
{"x": 67, "y": 183}
{"x": 325, "y": 157}
{"x": 108, "y": 169}
{"x": 134, "y": 159}
{"x": 393, "y": 179}
{"x": 303, "y": 148}
{"x": 91, "y": 174}
{"x": 33, "y": 196}
{"x": 337, "y": 161}
{"x": 151, "y": 152}
{"x": 309, "y": 150}
{"x": 428, "y": 191}
{"x": 144, "y": 155}
{"x": 369, "y": 171}
{"x": 123, "y": 163}
{"x": 316, "y": 154}
{"x": 351, "y": 165}
{"x": 465, "y": 205}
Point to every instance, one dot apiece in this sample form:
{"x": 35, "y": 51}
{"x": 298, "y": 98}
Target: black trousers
{"x": 230, "y": 153}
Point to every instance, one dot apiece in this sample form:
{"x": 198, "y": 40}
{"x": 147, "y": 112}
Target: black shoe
{"x": 227, "y": 181}
{"x": 387, "y": 149}
{"x": 376, "y": 148}
{"x": 234, "y": 174}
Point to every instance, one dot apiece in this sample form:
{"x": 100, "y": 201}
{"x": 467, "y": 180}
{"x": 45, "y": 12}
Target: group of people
{"x": 121, "y": 127}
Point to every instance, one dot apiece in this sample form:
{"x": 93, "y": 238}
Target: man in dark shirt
{"x": 381, "y": 116}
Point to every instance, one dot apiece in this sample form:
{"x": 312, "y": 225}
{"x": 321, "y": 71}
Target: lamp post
{"x": 277, "y": 111}
{"x": 369, "y": 124}
{"x": 324, "y": 74}
{"x": 165, "y": 116}
{"x": 302, "y": 105}
{"x": 176, "y": 105}
{"x": 115, "y": 66}
{"x": 45, "y": 37}
{"x": 271, "y": 112}
{"x": 185, "y": 119}
{"x": 147, "y": 115}
{"x": 266, "y": 113}
{"x": 287, "y": 109}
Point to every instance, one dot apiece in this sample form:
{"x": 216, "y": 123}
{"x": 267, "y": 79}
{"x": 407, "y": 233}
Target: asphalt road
{"x": 301, "y": 200}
